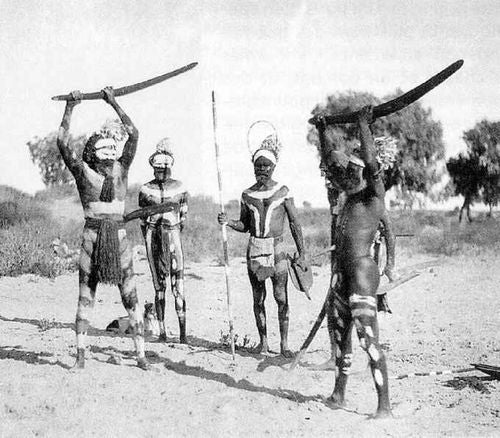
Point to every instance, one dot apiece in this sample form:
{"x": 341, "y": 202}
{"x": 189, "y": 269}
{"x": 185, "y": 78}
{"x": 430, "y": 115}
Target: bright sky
{"x": 272, "y": 60}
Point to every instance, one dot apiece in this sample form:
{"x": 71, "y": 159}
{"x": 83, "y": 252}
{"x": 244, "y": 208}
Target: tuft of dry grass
{"x": 28, "y": 230}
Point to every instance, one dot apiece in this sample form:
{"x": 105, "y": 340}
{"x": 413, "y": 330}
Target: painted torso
{"x": 265, "y": 210}
{"x": 171, "y": 191}
{"x": 89, "y": 184}
{"x": 358, "y": 223}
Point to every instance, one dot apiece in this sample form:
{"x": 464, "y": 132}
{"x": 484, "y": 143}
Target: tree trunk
{"x": 466, "y": 207}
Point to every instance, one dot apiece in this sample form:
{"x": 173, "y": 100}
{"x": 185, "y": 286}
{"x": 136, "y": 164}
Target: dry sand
{"x": 445, "y": 318}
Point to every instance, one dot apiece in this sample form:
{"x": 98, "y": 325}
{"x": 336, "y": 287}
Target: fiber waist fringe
{"x": 106, "y": 254}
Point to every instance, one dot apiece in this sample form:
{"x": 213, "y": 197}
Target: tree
{"x": 466, "y": 175}
{"x": 476, "y": 173}
{"x": 45, "y": 154}
{"x": 419, "y": 138}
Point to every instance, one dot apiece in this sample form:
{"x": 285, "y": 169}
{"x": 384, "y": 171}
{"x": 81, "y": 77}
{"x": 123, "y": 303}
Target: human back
{"x": 358, "y": 223}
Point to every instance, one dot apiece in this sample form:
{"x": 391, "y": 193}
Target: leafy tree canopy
{"x": 419, "y": 137}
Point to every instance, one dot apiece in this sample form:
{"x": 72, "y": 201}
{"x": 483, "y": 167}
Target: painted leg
{"x": 363, "y": 305}
{"x": 259, "y": 310}
{"x": 159, "y": 271}
{"x": 86, "y": 301}
{"x": 87, "y": 289}
{"x": 281, "y": 297}
{"x": 180, "y": 304}
{"x": 331, "y": 363}
{"x": 160, "y": 314}
{"x": 176, "y": 257}
{"x": 340, "y": 332}
{"x": 367, "y": 329}
{"x": 130, "y": 301}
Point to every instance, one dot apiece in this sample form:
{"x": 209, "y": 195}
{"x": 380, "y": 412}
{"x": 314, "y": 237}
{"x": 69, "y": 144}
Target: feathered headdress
{"x": 269, "y": 147}
{"x": 163, "y": 156}
{"x": 387, "y": 149}
{"x": 114, "y": 129}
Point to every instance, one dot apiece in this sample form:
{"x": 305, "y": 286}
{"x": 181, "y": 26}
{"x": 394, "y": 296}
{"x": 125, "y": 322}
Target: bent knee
{"x": 364, "y": 276}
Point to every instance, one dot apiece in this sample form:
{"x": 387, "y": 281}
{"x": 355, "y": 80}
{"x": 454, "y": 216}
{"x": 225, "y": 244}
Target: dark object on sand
{"x": 301, "y": 276}
{"x": 491, "y": 370}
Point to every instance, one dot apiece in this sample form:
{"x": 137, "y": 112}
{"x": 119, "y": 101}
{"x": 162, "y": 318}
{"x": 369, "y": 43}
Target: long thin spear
{"x": 223, "y": 228}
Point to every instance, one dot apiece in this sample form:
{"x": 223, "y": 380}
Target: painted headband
{"x": 266, "y": 153}
{"x": 161, "y": 160}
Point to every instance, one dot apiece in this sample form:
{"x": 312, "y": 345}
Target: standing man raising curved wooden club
{"x": 105, "y": 255}
{"x": 354, "y": 300}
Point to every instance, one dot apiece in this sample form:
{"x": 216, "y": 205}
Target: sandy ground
{"x": 445, "y": 318}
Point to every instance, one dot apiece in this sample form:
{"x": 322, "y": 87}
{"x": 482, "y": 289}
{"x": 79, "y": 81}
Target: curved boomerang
{"x": 144, "y": 212}
{"x": 399, "y": 102}
{"x": 132, "y": 88}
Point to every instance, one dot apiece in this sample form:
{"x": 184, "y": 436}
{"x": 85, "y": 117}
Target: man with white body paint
{"x": 162, "y": 235}
{"x": 264, "y": 207}
{"x": 105, "y": 255}
{"x": 354, "y": 300}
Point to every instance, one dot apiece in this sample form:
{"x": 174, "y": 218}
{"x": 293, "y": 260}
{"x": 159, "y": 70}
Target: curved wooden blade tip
{"x": 122, "y": 91}
{"x": 397, "y": 103}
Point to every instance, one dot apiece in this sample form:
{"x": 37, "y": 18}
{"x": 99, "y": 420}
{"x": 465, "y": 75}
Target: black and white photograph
{"x": 249, "y": 218}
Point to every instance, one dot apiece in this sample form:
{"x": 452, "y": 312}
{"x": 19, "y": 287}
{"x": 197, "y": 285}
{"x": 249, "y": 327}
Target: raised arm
{"x": 70, "y": 159}
{"x": 295, "y": 227}
{"x": 368, "y": 152}
{"x": 390, "y": 246}
{"x": 133, "y": 134}
{"x": 324, "y": 149}
{"x": 335, "y": 207}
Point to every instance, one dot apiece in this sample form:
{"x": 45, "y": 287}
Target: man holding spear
{"x": 264, "y": 207}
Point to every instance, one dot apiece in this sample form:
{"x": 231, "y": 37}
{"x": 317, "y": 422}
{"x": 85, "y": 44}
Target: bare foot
{"x": 382, "y": 413}
{"x": 335, "y": 401}
{"x": 285, "y": 352}
{"x": 80, "y": 360}
{"x": 143, "y": 364}
{"x": 262, "y": 348}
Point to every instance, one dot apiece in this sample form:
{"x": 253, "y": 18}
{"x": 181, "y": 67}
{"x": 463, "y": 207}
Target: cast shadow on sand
{"x": 183, "y": 369}
{"x": 30, "y": 357}
{"x": 243, "y": 384}
{"x": 45, "y": 325}
{"x": 40, "y": 323}
{"x": 274, "y": 361}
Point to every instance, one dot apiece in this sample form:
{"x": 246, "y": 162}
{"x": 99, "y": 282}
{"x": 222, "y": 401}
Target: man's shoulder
{"x": 149, "y": 185}
{"x": 283, "y": 191}
{"x": 175, "y": 184}
{"x": 278, "y": 191}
